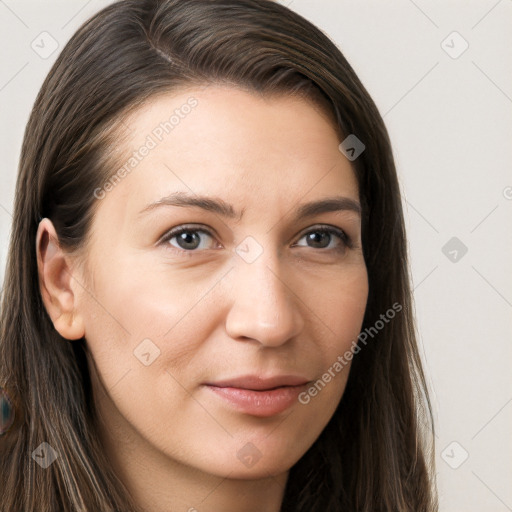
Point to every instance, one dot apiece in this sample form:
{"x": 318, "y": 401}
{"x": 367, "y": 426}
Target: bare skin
{"x": 214, "y": 304}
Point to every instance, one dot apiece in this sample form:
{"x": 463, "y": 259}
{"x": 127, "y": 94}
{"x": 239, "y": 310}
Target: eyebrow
{"x": 219, "y": 206}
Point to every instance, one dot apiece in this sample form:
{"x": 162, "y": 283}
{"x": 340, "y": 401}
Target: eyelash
{"x": 346, "y": 241}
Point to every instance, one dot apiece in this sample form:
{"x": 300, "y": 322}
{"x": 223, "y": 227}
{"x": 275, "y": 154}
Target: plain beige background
{"x": 441, "y": 75}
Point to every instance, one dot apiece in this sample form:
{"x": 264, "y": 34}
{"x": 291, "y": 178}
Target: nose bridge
{"x": 263, "y": 306}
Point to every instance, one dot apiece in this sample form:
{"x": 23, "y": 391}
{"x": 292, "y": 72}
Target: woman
{"x": 207, "y": 303}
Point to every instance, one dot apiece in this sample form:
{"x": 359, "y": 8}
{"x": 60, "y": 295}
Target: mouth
{"x": 256, "y": 396}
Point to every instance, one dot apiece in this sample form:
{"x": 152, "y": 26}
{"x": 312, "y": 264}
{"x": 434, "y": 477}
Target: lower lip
{"x": 260, "y": 403}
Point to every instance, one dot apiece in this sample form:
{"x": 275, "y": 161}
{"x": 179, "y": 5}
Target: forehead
{"x": 223, "y": 141}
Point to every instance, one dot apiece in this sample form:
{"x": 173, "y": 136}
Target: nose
{"x": 264, "y": 306}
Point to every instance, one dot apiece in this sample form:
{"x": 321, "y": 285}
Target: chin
{"x": 250, "y": 462}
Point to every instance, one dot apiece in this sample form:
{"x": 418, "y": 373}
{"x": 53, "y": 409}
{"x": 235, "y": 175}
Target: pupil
{"x": 313, "y": 237}
{"x": 187, "y": 238}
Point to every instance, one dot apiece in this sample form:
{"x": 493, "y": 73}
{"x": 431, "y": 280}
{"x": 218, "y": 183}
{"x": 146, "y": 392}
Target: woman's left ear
{"x": 55, "y": 280}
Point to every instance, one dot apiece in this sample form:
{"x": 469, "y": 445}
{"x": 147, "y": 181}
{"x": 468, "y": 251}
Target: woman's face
{"x": 189, "y": 332}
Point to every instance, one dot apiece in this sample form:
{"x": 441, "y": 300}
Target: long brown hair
{"x": 375, "y": 454}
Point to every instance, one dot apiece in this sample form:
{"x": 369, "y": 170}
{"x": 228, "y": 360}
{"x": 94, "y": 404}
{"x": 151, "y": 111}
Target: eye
{"x": 188, "y": 238}
{"x": 327, "y": 238}
{"x": 191, "y": 239}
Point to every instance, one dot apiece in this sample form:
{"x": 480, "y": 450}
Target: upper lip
{"x": 257, "y": 383}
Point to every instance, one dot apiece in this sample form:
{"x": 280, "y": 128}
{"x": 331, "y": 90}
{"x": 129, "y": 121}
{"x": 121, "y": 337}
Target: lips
{"x": 257, "y": 383}
{"x": 257, "y": 396}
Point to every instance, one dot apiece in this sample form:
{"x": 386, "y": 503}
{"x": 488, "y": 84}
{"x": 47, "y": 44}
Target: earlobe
{"x": 55, "y": 278}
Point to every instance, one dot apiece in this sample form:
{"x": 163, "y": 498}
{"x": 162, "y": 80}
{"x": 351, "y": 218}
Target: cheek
{"x": 340, "y": 304}
{"x": 339, "y": 308}
{"x": 342, "y": 311}
{"x": 139, "y": 317}
{"x": 347, "y": 316}
{"x": 143, "y": 298}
